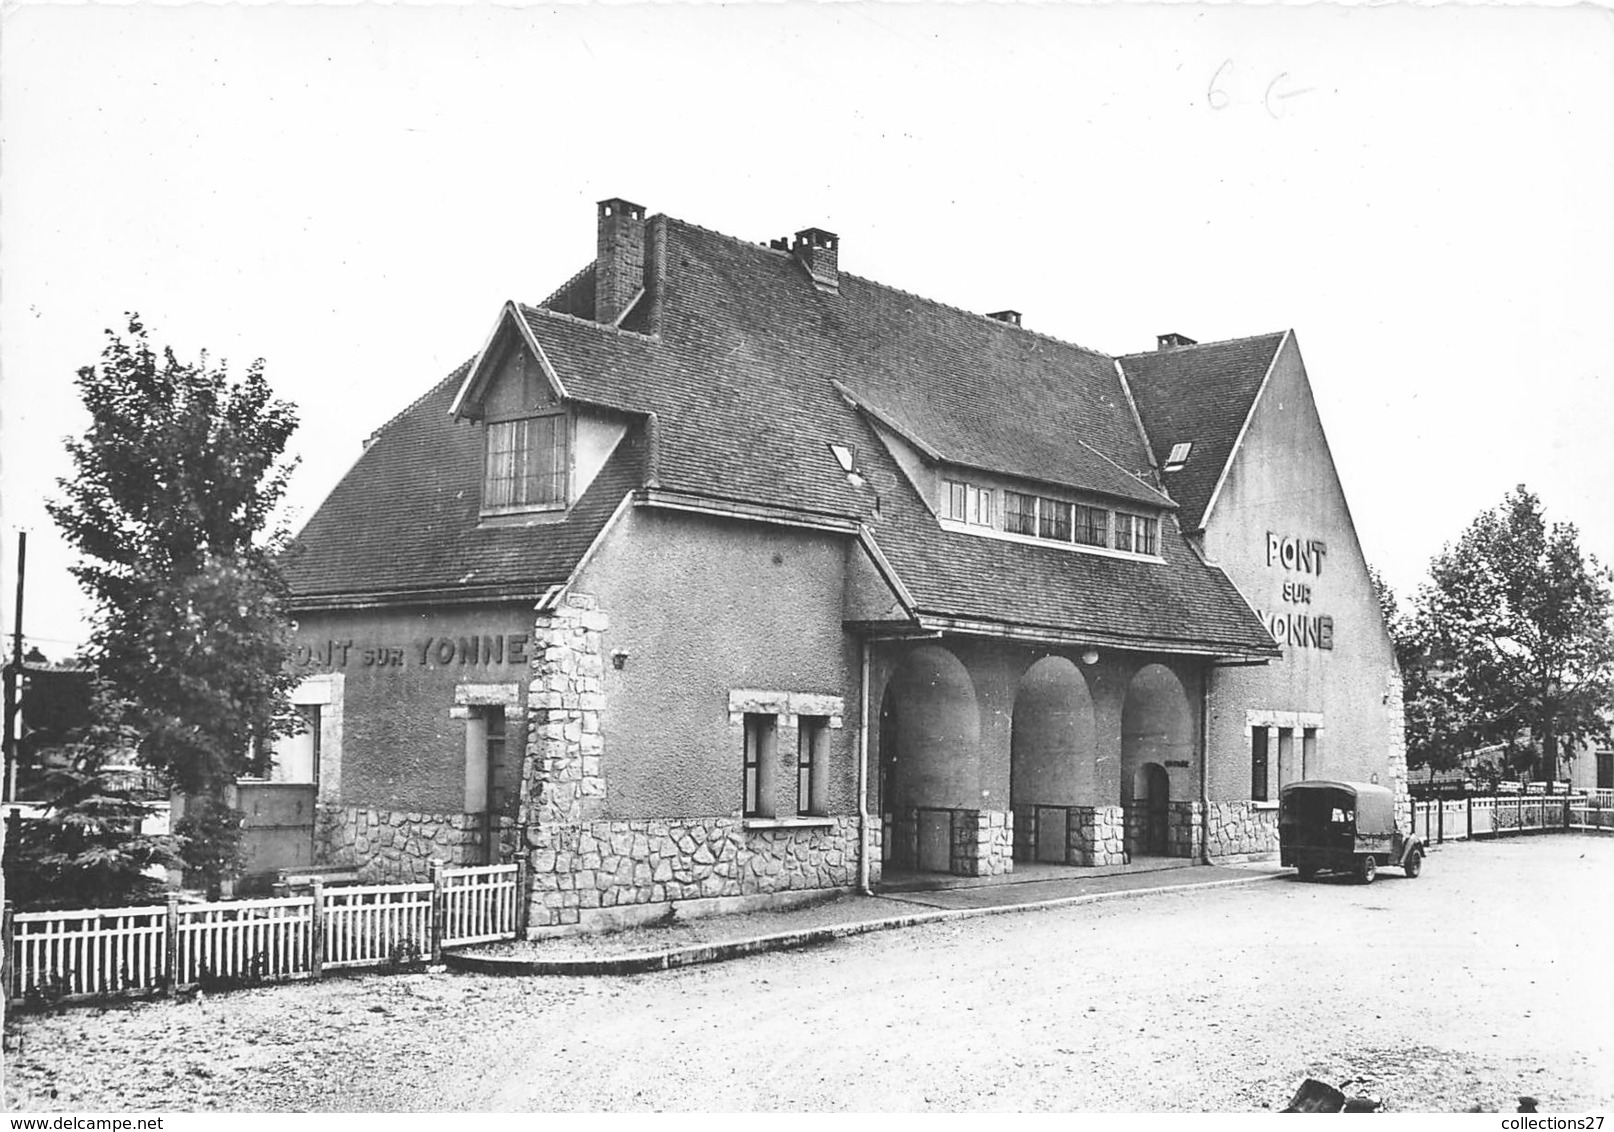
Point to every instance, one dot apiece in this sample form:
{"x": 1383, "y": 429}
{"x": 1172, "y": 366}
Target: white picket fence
{"x": 364, "y": 926}
{"x": 103, "y": 952}
{"x": 1457, "y": 819}
{"x": 479, "y": 904}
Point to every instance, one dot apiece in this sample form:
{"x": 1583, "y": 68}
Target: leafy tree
{"x": 169, "y": 506}
{"x": 1510, "y": 642}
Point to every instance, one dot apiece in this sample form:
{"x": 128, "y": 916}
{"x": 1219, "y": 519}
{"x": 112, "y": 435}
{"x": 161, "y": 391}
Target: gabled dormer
{"x": 513, "y": 395}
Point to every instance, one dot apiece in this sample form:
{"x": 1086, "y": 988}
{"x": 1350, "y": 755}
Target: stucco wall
{"x": 401, "y": 750}
{"x": 1283, "y": 485}
{"x": 700, "y": 607}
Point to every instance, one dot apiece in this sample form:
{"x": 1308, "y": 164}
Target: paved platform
{"x": 682, "y": 943}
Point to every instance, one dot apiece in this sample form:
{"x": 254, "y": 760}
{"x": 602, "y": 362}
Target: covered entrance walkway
{"x": 993, "y": 758}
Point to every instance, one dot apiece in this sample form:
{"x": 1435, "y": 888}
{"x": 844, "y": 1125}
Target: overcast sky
{"x": 1423, "y": 195}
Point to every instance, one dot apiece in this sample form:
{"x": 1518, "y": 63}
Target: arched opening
{"x": 1157, "y": 729}
{"x": 1051, "y": 751}
{"x": 930, "y": 738}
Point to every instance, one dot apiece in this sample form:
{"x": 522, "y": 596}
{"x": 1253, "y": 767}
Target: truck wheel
{"x": 1367, "y": 869}
{"x": 1308, "y": 872}
{"x": 1415, "y": 862}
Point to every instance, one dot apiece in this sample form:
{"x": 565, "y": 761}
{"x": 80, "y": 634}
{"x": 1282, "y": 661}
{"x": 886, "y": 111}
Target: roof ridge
{"x": 1200, "y": 345}
{"x": 458, "y": 371}
{"x": 900, "y": 291}
{"x": 564, "y": 317}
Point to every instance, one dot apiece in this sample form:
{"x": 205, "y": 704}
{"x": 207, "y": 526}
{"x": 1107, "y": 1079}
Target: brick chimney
{"x": 1010, "y": 317}
{"x": 619, "y": 267}
{"x": 1173, "y": 341}
{"x": 819, "y": 252}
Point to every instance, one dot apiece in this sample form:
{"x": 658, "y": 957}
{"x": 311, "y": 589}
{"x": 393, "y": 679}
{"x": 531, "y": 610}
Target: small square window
{"x": 1092, "y": 526}
{"x": 1179, "y": 455}
{"x": 1054, "y": 519}
{"x": 966, "y": 503}
{"x": 1019, "y": 513}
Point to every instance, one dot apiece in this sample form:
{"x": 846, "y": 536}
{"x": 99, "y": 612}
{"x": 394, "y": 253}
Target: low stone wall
{"x": 1239, "y": 828}
{"x": 578, "y": 870}
{"x": 397, "y": 847}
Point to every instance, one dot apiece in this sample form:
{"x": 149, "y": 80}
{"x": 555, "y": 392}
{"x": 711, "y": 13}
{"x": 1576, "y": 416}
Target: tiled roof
{"x": 405, "y": 519}
{"x": 732, "y": 360}
{"x": 1201, "y": 394}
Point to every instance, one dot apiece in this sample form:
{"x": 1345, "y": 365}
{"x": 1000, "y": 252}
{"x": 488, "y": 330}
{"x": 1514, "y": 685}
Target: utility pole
{"x": 14, "y": 674}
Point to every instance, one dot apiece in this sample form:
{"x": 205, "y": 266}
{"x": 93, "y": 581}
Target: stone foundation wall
{"x": 397, "y": 847}
{"x": 1239, "y": 828}
{"x": 1097, "y": 836}
{"x": 579, "y": 869}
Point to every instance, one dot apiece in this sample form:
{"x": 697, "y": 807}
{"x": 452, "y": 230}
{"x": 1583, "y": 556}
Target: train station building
{"x": 724, "y": 575}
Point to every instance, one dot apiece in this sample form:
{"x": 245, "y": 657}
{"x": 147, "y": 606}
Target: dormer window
{"x": 966, "y": 503}
{"x": 1092, "y": 526}
{"x": 528, "y": 464}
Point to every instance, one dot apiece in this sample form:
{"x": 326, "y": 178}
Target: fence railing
{"x": 479, "y": 904}
{"x": 1458, "y": 819}
{"x": 96, "y": 953}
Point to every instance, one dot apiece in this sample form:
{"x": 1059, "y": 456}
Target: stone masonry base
{"x": 397, "y": 847}
{"x": 1242, "y": 829}
{"x": 578, "y": 870}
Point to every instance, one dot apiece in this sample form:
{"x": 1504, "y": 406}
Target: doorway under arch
{"x": 930, "y": 738}
{"x": 1151, "y": 794}
{"x": 1051, "y": 749}
{"x": 1157, "y": 730}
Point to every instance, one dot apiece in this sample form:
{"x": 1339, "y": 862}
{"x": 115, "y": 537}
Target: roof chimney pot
{"x": 819, "y": 253}
{"x": 619, "y": 266}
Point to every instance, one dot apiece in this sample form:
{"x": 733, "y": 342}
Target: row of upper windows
{"x": 1056, "y": 519}
{"x": 527, "y": 466}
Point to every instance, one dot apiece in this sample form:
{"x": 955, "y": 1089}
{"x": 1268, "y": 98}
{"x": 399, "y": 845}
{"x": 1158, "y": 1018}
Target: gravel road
{"x": 1483, "y": 980}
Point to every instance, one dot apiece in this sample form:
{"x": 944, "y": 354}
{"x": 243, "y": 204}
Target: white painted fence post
{"x": 171, "y": 947}
{"x": 7, "y": 932}
{"x": 521, "y": 896}
{"x": 316, "y": 932}
{"x": 439, "y": 909}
